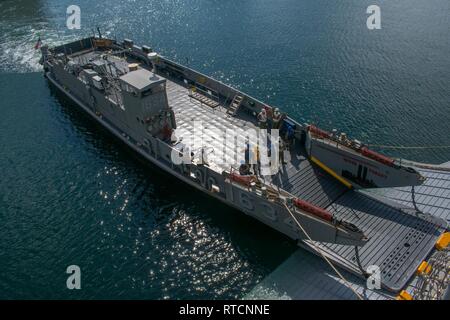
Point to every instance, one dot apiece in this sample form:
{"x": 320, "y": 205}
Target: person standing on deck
{"x": 269, "y": 114}
{"x": 276, "y": 119}
{"x": 262, "y": 119}
{"x": 249, "y": 159}
{"x": 203, "y": 157}
{"x": 289, "y": 137}
{"x": 255, "y": 160}
{"x": 247, "y": 153}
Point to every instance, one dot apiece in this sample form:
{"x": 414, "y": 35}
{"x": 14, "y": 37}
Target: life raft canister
{"x": 377, "y": 157}
{"x": 243, "y": 180}
{"x": 317, "y": 211}
{"x": 319, "y": 132}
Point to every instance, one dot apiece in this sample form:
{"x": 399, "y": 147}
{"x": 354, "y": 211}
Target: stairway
{"x": 234, "y": 105}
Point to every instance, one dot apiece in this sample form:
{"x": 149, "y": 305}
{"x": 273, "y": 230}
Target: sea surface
{"x": 71, "y": 195}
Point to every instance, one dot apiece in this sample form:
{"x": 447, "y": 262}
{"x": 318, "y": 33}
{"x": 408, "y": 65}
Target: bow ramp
{"x": 403, "y": 231}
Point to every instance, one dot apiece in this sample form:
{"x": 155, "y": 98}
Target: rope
{"x": 413, "y": 198}
{"x": 323, "y": 256}
{"x": 358, "y": 261}
{"x": 406, "y": 147}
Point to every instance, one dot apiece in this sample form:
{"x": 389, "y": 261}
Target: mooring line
{"x": 407, "y": 147}
{"x": 323, "y": 256}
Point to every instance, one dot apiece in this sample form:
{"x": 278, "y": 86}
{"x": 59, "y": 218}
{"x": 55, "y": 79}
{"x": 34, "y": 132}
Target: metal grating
{"x": 399, "y": 239}
{"x": 309, "y": 183}
{"x": 301, "y": 272}
{"x": 432, "y": 197}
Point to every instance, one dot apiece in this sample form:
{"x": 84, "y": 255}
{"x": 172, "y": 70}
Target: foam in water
{"x": 18, "y": 53}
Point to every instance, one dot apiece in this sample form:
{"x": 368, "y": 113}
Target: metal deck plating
{"x": 304, "y": 276}
{"x": 400, "y": 238}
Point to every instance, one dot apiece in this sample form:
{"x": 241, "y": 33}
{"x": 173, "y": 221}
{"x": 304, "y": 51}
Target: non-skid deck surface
{"x": 189, "y": 110}
{"x": 399, "y": 239}
{"x": 308, "y": 182}
{"x": 302, "y": 276}
{"x": 432, "y": 197}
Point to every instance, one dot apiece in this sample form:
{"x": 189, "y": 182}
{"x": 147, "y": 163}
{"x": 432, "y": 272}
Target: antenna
{"x": 99, "y": 33}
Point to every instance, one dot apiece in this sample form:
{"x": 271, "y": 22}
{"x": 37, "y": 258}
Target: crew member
{"x": 262, "y": 119}
{"x": 289, "y": 137}
{"x": 244, "y": 169}
{"x": 255, "y": 156}
{"x": 204, "y": 157}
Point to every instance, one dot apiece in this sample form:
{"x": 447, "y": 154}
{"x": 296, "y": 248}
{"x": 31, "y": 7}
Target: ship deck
{"x": 306, "y": 276}
{"x": 188, "y": 110}
{"x": 400, "y": 238}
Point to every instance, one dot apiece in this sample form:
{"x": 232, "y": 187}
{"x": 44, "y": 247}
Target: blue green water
{"x": 70, "y": 194}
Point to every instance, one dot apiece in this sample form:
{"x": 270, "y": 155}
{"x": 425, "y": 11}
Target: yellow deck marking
{"x": 331, "y": 172}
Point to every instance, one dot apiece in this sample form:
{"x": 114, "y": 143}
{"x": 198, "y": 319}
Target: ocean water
{"x": 71, "y": 194}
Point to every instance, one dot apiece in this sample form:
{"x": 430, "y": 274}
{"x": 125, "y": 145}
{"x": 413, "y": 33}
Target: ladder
{"x": 193, "y": 93}
{"x": 234, "y": 105}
